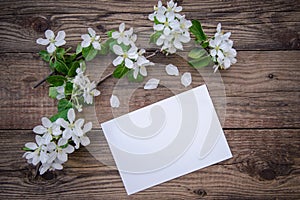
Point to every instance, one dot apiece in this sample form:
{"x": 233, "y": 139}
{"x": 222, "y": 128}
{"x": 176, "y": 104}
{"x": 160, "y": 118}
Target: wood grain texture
{"x": 265, "y": 166}
{"x": 262, "y": 119}
{"x": 262, "y": 91}
{"x": 259, "y": 25}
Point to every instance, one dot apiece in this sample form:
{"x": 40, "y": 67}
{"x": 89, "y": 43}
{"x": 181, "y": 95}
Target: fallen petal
{"x": 114, "y": 101}
{"x": 151, "y": 84}
{"x": 186, "y": 79}
{"x": 172, "y": 70}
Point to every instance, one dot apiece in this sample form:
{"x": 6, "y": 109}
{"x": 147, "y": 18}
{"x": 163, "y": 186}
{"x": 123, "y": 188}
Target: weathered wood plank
{"x": 266, "y": 165}
{"x": 267, "y": 25}
{"x": 262, "y": 90}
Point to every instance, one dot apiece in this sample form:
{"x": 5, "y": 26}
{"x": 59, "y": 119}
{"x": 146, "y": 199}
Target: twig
{"x": 42, "y": 81}
{"x": 110, "y": 74}
{"x": 106, "y": 77}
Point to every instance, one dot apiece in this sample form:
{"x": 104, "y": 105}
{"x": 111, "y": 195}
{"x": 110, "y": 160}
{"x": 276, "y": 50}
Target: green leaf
{"x": 53, "y": 92}
{"x": 26, "y": 149}
{"x": 131, "y": 78}
{"x": 60, "y": 52}
{"x": 72, "y": 71}
{"x": 63, "y": 114}
{"x": 154, "y": 37}
{"x": 64, "y": 104}
{"x": 78, "y": 49}
{"x": 89, "y": 53}
{"x": 45, "y": 55}
{"x": 104, "y": 49}
{"x": 69, "y": 88}
{"x": 70, "y": 58}
{"x": 83, "y": 65}
{"x": 111, "y": 42}
{"x": 64, "y": 146}
{"x": 61, "y": 67}
{"x": 205, "y": 44}
{"x": 196, "y": 53}
{"x": 120, "y": 71}
{"x": 56, "y": 80}
{"x": 201, "y": 62}
{"x": 197, "y": 31}
{"x": 109, "y": 33}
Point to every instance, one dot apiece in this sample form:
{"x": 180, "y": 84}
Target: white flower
{"x": 174, "y": 27}
{"x": 222, "y": 52}
{"x": 90, "y": 92}
{"x": 62, "y": 151}
{"x": 54, "y": 42}
{"x": 91, "y": 38}
{"x": 172, "y": 9}
{"x": 114, "y": 101}
{"x": 140, "y": 64}
{"x": 83, "y": 87}
{"x": 48, "y": 129}
{"x": 123, "y": 36}
{"x": 158, "y": 10}
{"x": 125, "y": 56}
{"x": 55, "y": 165}
{"x": 72, "y": 127}
{"x": 82, "y": 139}
{"x": 61, "y": 92}
{"x": 39, "y": 151}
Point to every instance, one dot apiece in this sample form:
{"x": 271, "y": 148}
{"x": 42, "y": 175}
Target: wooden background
{"x": 262, "y": 119}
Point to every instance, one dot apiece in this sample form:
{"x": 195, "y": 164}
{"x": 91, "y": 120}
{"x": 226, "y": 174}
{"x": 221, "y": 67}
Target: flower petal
{"x": 60, "y": 36}
{"x": 143, "y": 71}
{"x": 31, "y": 145}
{"x": 59, "y": 43}
{"x": 172, "y": 70}
{"x": 128, "y": 63}
{"x": 115, "y": 35}
{"x": 42, "y": 41}
{"x": 71, "y": 115}
{"x": 79, "y": 123}
{"x": 49, "y": 34}
{"x": 151, "y": 84}
{"x": 122, "y": 27}
{"x": 51, "y": 48}
{"x": 62, "y": 141}
{"x": 114, "y": 101}
{"x": 57, "y": 166}
{"x": 46, "y": 122}
{"x": 84, "y": 140}
{"x": 92, "y": 32}
{"x": 186, "y": 79}
{"x": 39, "y": 129}
{"x": 118, "y": 50}
{"x": 62, "y": 156}
{"x": 96, "y": 45}
{"x": 87, "y": 127}
{"x": 117, "y": 61}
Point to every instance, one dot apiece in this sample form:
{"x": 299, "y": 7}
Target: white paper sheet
{"x": 166, "y": 140}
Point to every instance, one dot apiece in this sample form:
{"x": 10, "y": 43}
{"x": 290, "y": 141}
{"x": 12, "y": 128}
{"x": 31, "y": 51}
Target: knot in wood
{"x": 40, "y": 24}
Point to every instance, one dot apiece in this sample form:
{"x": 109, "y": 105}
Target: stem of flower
{"x": 42, "y": 81}
{"x": 110, "y": 74}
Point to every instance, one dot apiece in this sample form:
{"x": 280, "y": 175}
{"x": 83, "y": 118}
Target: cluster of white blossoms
{"x": 55, "y": 140}
{"x": 128, "y": 53}
{"x": 222, "y": 51}
{"x": 83, "y": 87}
{"x": 172, "y": 28}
